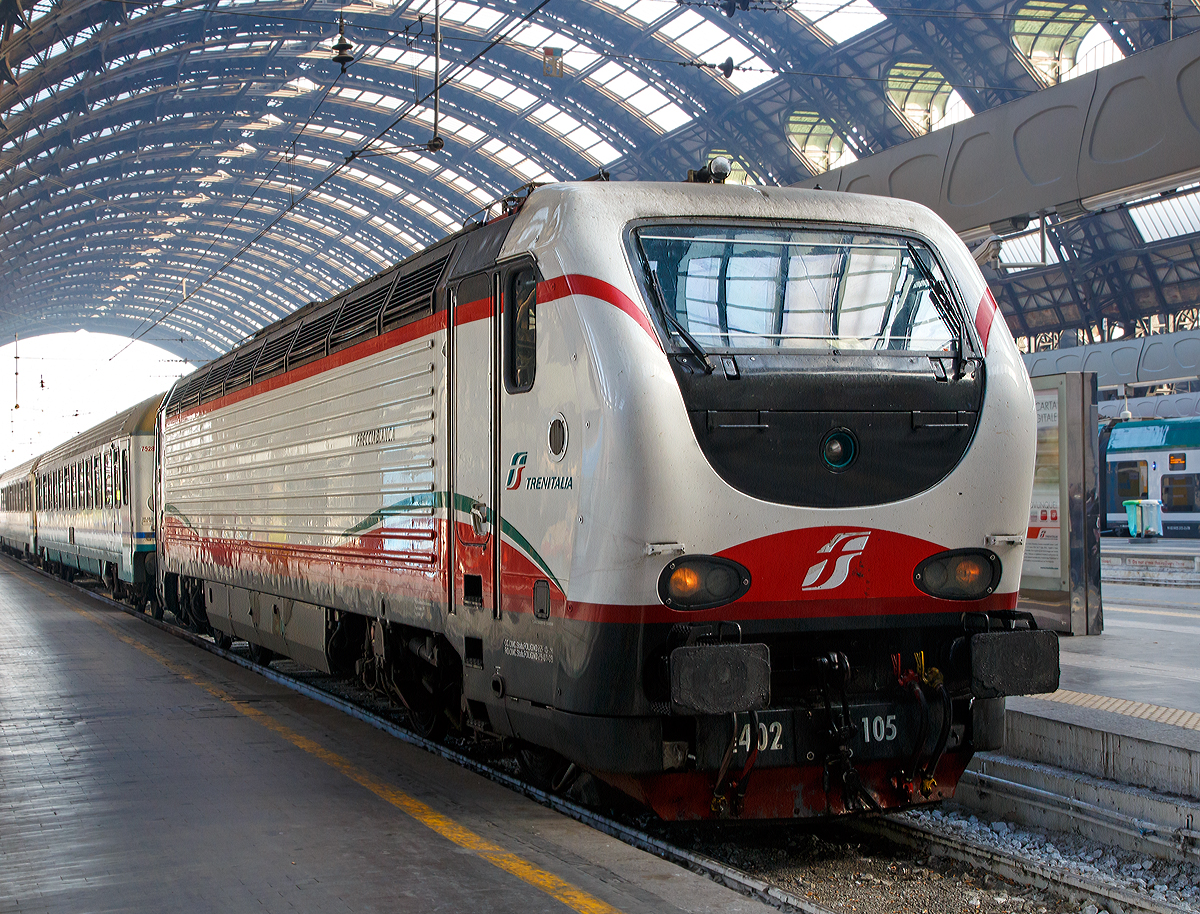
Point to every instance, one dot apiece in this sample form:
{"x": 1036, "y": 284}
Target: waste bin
{"x": 1151, "y": 517}
{"x": 1133, "y": 512}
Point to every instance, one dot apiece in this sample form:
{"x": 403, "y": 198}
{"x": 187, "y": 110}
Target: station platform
{"x": 1167, "y": 561}
{"x": 138, "y": 772}
{"x": 1114, "y": 754}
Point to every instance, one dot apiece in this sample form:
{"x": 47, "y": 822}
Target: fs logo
{"x": 515, "y": 471}
{"x": 832, "y": 571}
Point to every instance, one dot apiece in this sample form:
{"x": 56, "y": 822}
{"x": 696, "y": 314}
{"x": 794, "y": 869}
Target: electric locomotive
{"x": 716, "y": 492}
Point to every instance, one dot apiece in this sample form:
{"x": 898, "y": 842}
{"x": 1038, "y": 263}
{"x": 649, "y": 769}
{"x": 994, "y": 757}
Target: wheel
{"x": 545, "y": 769}
{"x": 223, "y": 641}
{"x": 431, "y": 723}
{"x": 261, "y": 655}
{"x": 156, "y": 611}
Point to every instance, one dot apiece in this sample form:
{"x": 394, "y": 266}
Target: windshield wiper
{"x": 697, "y": 349}
{"x": 943, "y": 302}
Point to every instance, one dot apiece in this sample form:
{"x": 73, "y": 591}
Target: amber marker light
{"x": 702, "y": 582}
{"x": 685, "y": 582}
{"x": 969, "y": 570}
{"x": 964, "y": 574}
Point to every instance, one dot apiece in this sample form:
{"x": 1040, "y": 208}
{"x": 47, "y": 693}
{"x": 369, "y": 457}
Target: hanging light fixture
{"x": 343, "y": 50}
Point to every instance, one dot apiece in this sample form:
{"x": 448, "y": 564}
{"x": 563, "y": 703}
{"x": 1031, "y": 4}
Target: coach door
{"x": 474, "y": 330}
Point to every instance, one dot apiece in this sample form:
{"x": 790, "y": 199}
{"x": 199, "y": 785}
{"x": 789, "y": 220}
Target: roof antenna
{"x": 436, "y": 143}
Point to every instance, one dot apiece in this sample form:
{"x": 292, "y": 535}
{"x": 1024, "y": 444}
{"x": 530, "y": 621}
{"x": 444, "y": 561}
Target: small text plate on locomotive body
{"x": 529, "y": 650}
{"x": 774, "y": 738}
{"x": 375, "y": 436}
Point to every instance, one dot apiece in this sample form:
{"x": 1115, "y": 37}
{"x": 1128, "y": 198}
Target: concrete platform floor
{"x": 138, "y": 773}
{"x": 1149, "y": 651}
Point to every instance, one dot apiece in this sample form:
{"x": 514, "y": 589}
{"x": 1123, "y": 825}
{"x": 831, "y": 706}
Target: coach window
{"x": 522, "y": 331}
{"x": 1127, "y": 479}
{"x": 123, "y": 497}
{"x": 1179, "y": 493}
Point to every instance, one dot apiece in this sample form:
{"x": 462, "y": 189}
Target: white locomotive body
{"x": 716, "y": 492}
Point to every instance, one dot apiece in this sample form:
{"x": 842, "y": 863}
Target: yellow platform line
{"x": 1188, "y": 720}
{"x": 1110, "y": 607}
{"x": 557, "y": 888}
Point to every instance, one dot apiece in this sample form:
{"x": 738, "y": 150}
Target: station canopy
{"x": 187, "y": 171}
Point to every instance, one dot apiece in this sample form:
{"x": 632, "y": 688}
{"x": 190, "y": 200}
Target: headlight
{"x": 702, "y": 582}
{"x": 964, "y": 574}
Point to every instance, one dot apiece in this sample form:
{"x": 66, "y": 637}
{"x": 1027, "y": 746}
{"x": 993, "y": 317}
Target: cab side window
{"x": 521, "y": 313}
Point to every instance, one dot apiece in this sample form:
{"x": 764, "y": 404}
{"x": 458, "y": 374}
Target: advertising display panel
{"x": 1060, "y": 577}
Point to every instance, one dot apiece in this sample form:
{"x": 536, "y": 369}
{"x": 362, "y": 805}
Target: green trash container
{"x": 1133, "y": 511}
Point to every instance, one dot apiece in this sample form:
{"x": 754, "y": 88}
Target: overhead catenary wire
{"x": 334, "y": 170}
{"x": 370, "y": 151}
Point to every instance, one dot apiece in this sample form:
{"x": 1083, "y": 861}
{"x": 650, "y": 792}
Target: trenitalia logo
{"x": 842, "y": 549}
{"x": 515, "y": 471}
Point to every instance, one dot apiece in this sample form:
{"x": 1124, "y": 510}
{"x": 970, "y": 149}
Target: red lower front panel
{"x": 785, "y": 793}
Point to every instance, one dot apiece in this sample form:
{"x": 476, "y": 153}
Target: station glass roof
{"x": 186, "y": 171}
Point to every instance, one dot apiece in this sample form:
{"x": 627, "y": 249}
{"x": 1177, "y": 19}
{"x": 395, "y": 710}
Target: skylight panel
{"x": 534, "y": 36}
{"x": 471, "y": 135}
{"x": 605, "y": 74}
{"x": 386, "y": 54}
{"x": 648, "y": 11}
{"x": 529, "y": 169}
{"x": 626, "y": 85}
{"x": 685, "y": 21}
{"x": 520, "y": 99}
{"x": 459, "y": 12}
{"x": 603, "y": 153}
{"x": 670, "y": 117}
{"x": 476, "y": 79}
{"x": 1167, "y": 217}
{"x": 562, "y": 123}
{"x": 703, "y": 38}
{"x": 649, "y": 99}
{"x": 501, "y": 88}
{"x": 841, "y": 21}
{"x": 508, "y": 155}
{"x": 484, "y": 19}
{"x": 583, "y": 137}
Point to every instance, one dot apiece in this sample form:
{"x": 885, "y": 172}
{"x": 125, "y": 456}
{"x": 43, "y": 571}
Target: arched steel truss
{"x": 190, "y": 170}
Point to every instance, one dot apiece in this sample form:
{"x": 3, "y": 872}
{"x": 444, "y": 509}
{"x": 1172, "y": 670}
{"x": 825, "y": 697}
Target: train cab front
{"x": 776, "y": 721}
{"x": 839, "y": 627}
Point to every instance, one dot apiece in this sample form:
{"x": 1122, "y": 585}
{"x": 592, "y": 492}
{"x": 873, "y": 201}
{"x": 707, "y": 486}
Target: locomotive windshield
{"x": 740, "y": 287}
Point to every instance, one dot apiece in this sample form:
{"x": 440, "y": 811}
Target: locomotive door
{"x": 475, "y": 500}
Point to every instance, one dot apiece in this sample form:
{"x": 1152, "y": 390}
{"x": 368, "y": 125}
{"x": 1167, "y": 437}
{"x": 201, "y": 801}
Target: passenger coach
{"x": 18, "y": 519}
{"x": 95, "y": 502}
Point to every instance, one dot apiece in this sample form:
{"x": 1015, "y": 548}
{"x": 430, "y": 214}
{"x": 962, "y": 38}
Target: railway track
{"x": 745, "y": 857}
